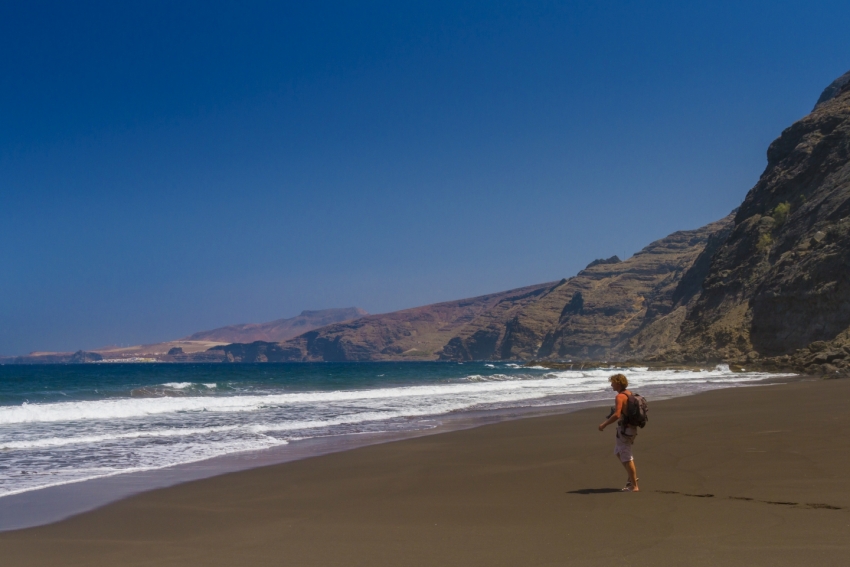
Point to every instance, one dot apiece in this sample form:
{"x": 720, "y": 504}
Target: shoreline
{"x": 734, "y": 476}
{"x": 43, "y": 506}
{"x": 55, "y": 503}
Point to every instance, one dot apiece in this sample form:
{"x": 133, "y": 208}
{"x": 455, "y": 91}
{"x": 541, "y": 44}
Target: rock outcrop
{"x": 81, "y": 357}
{"x": 778, "y": 288}
{"x": 258, "y": 351}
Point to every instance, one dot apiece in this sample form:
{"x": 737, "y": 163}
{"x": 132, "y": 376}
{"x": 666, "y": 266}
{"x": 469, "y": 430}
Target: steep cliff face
{"x": 780, "y": 281}
{"x": 257, "y": 351}
{"x": 611, "y": 309}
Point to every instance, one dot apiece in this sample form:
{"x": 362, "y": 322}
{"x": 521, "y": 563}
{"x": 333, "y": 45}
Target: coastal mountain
{"x": 198, "y": 347}
{"x": 280, "y": 329}
{"x": 768, "y": 286}
{"x": 778, "y": 288}
{"x": 610, "y": 308}
{"x": 412, "y": 334}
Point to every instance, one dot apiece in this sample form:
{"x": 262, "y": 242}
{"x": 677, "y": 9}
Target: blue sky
{"x": 167, "y": 167}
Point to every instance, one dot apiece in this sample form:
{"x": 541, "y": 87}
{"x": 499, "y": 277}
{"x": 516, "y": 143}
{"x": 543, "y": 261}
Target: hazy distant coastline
{"x": 195, "y": 347}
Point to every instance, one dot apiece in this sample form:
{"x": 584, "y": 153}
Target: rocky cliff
{"x": 611, "y": 309}
{"x": 780, "y": 281}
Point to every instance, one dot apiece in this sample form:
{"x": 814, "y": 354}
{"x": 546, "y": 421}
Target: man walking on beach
{"x": 625, "y": 433}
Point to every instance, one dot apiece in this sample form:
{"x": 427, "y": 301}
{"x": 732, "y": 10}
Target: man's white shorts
{"x": 623, "y": 446}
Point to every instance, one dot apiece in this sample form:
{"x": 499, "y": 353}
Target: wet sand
{"x": 743, "y": 476}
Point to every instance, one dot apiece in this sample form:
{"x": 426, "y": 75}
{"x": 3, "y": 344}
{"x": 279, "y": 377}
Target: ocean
{"x": 63, "y": 424}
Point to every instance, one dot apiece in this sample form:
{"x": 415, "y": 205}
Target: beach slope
{"x": 743, "y": 476}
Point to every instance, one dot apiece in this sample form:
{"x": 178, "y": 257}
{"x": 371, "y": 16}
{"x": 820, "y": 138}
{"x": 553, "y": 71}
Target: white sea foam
{"x": 65, "y": 441}
{"x": 44, "y": 444}
{"x": 493, "y": 388}
{"x": 84, "y": 474}
{"x": 185, "y": 385}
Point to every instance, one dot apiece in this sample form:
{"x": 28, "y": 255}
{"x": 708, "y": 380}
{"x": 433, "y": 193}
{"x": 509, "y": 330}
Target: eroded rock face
{"x": 780, "y": 281}
{"x": 258, "y": 351}
{"x": 411, "y": 334}
{"x": 607, "y": 311}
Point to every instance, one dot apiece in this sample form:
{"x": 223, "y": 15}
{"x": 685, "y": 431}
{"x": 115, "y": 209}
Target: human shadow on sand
{"x": 594, "y": 491}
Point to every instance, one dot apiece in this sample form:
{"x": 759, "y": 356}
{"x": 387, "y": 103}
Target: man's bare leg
{"x": 632, "y": 472}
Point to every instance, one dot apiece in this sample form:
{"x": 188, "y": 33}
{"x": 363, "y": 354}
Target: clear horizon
{"x": 168, "y": 169}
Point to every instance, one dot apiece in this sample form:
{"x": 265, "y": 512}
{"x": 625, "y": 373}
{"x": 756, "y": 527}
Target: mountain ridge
{"x": 768, "y": 285}
{"x": 279, "y": 329}
{"x": 418, "y": 333}
{"x": 618, "y": 300}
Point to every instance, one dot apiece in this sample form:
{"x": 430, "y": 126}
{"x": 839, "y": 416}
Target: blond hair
{"x": 620, "y": 380}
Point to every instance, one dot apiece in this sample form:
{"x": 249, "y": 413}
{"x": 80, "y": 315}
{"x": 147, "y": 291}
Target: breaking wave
{"x": 172, "y": 422}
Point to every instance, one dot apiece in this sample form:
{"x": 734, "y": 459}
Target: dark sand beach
{"x": 743, "y": 476}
